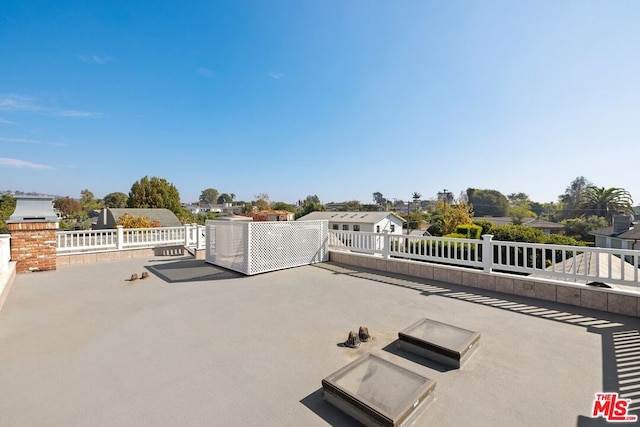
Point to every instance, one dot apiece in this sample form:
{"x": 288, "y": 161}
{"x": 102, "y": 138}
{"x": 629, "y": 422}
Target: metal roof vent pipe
{"x": 33, "y": 228}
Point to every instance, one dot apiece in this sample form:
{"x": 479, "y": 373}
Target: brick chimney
{"x": 33, "y": 228}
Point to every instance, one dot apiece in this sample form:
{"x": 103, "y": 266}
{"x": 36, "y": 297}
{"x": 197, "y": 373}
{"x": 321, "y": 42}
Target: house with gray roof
{"x": 109, "y": 217}
{"x": 547, "y": 227}
{"x": 623, "y": 234}
{"x": 372, "y": 222}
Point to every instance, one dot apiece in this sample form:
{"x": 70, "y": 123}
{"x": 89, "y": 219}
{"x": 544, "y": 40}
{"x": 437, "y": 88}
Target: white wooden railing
{"x": 572, "y": 263}
{"x": 83, "y": 241}
{"x": 5, "y": 252}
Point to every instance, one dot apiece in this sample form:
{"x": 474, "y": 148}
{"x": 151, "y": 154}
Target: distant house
{"x": 373, "y": 222}
{"x": 224, "y": 208}
{"x": 419, "y": 233}
{"x": 547, "y": 227}
{"x": 273, "y": 215}
{"x": 109, "y": 217}
{"x": 623, "y": 234}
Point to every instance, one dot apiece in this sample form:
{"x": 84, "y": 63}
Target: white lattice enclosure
{"x": 258, "y": 247}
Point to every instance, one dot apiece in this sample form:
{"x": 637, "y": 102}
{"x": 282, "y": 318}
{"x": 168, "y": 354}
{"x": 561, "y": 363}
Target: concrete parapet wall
{"x": 610, "y": 300}
{"x": 106, "y": 256}
{"x": 91, "y": 258}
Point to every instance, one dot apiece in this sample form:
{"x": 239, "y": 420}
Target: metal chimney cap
{"x": 33, "y": 209}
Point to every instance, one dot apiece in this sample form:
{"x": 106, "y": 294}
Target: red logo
{"x": 610, "y": 407}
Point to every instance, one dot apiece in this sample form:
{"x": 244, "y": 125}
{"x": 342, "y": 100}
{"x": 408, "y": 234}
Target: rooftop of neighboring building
{"x": 350, "y": 217}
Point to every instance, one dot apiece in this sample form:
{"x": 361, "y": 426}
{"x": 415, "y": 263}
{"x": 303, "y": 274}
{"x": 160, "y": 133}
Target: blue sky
{"x": 334, "y": 98}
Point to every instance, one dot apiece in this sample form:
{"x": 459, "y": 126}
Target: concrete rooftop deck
{"x": 195, "y": 345}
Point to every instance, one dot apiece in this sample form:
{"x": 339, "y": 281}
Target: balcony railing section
{"x": 568, "y": 263}
{"x": 86, "y": 240}
{"x": 83, "y": 241}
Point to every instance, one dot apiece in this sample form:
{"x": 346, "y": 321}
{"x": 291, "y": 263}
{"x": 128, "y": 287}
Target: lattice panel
{"x": 278, "y": 245}
{"x": 227, "y": 245}
{"x": 259, "y": 247}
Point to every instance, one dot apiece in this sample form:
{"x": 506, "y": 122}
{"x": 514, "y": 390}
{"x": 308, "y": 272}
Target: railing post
{"x": 187, "y": 228}
{"x": 386, "y": 244}
{"x": 120, "y": 237}
{"x": 199, "y": 237}
{"x": 487, "y": 252}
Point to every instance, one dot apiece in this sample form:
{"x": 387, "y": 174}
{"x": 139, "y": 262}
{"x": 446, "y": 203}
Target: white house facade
{"x": 371, "y": 222}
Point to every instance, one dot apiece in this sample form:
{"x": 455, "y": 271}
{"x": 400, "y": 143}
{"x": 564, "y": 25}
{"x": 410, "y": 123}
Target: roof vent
{"x": 33, "y": 209}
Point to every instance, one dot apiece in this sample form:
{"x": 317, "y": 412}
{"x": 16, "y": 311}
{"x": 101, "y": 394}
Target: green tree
{"x": 414, "y": 220}
{"x": 517, "y": 233}
{"x": 519, "y": 199}
{"x": 115, "y": 200}
{"x": 68, "y": 206}
{"x": 487, "y": 202}
{"x": 262, "y": 202}
{"x": 282, "y": 206}
{"x": 379, "y": 199}
{"x": 209, "y": 196}
{"x": 132, "y": 221}
{"x": 579, "y": 228}
{"x": 89, "y": 201}
{"x": 7, "y": 206}
{"x": 487, "y": 226}
{"x": 310, "y": 204}
{"x": 352, "y": 206}
{"x": 76, "y": 221}
{"x": 524, "y": 233}
{"x": 224, "y": 198}
{"x": 573, "y": 197}
{"x": 607, "y": 202}
{"x": 154, "y": 193}
{"x": 445, "y": 218}
{"x": 518, "y": 213}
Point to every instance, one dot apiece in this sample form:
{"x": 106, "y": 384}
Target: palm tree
{"x": 606, "y": 202}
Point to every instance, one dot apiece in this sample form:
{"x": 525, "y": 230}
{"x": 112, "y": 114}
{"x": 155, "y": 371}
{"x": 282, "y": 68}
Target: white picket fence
{"x": 84, "y": 241}
{"x": 569, "y": 263}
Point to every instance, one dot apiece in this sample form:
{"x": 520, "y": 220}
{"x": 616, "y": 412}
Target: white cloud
{"x": 16, "y": 102}
{"x": 77, "y": 114}
{"x": 205, "y": 72}
{"x": 97, "y": 59}
{"x": 20, "y": 164}
{"x": 30, "y": 141}
{"x": 6, "y": 122}
{"x": 26, "y": 103}
{"x": 276, "y": 76}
